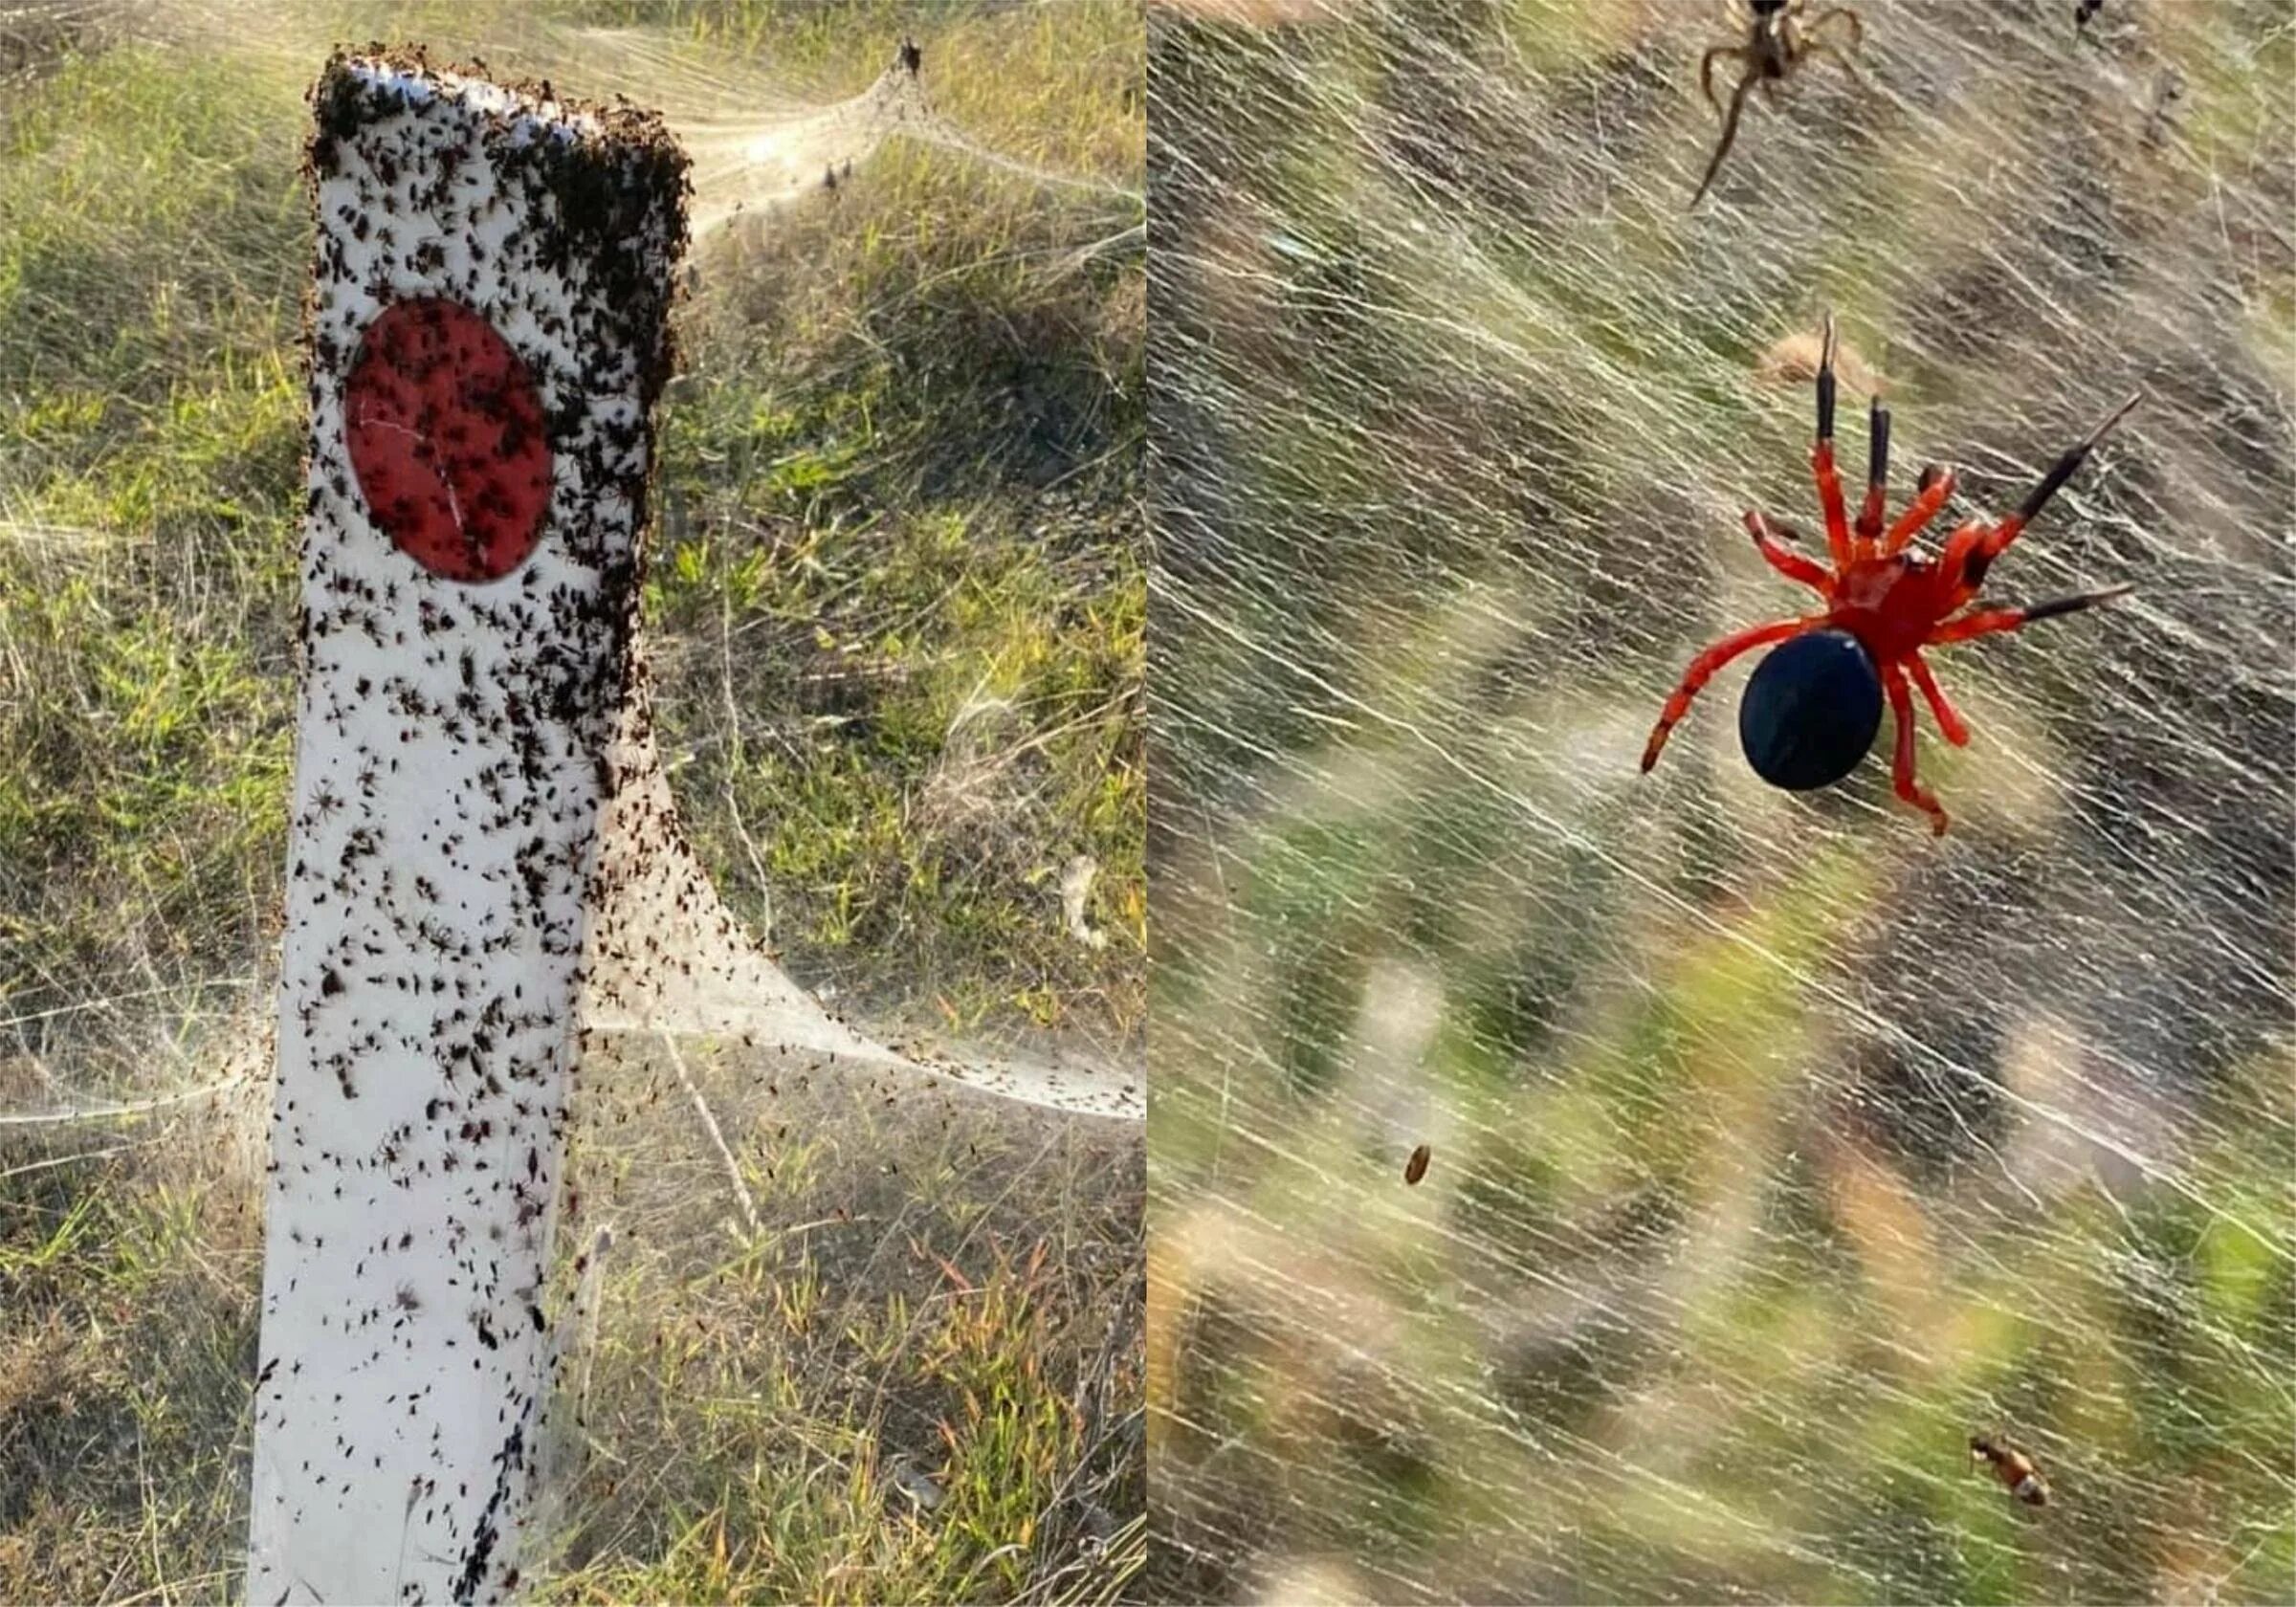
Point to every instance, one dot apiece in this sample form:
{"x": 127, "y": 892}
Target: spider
{"x": 1778, "y": 41}
{"x": 1812, "y": 709}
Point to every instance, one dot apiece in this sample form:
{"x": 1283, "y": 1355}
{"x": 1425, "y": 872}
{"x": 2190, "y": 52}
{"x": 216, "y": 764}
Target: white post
{"x": 487, "y": 341}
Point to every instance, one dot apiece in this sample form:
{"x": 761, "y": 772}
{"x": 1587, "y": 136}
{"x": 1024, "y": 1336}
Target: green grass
{"x": 902, "y": 541}
{"x": 149, "y": 441}
{"x": 945, "y": 1293}
{"x": 896, "y": 607}
{"x": 936, "y": 661}
{"x": 934, "y": 1290}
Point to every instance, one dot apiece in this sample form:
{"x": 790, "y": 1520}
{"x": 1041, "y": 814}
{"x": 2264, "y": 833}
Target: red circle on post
{"x": 446, "y": 435}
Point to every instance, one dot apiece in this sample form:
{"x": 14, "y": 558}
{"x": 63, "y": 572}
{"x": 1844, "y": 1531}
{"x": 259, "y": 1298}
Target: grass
{"x": 896, "y": 608}
{"x": 916, "y": 1379}
{"x": 901, "y": 488}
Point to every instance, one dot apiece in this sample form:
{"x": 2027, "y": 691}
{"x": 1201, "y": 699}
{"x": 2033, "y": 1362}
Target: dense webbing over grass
{"x": 1777, "y": 1148}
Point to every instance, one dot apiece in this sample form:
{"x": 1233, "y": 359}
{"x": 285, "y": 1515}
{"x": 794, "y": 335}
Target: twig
{"x": 733, "y": 722}
{"x": 120, "y": 998}
{"x": 134, "y": 1108}
{"x": 709, "y": 1122}
{"x": 66, "y": 1160}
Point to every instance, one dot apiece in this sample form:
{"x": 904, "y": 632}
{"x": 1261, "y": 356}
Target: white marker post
{"x": 488, "y": 338}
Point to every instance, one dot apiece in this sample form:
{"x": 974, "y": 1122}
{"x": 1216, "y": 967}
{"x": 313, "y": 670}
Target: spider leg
{"x": 1949, "y": 718}
{"x": 1901, "y": 767}
{"x": 1877, "y": 478}
{"x": 1997, "y": 541}
{"x": 1822, "y": 458}
{"x": 1729, "y": 133}
{"x": 1849, "y": 62}
{"x": 1787, "y": 563}
{"x": 1706, "y": 69}
{"x": 1936, "y": 488}
{"x": 1838, "y": 14}
{"x": 1703, "y": 667}
{"x": 1955, "y": 553}
{"x": 1988, "y": 622}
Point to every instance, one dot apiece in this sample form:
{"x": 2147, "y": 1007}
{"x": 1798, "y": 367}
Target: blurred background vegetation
{"x": 896, "y": 610}
{"x": 1777, "y": 1148}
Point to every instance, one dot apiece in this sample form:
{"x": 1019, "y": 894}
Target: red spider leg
{"x": 1703, "y": 667}
{"x": 1901, "y": 767}
{"x": 1877, "y": 478}
{"x": 1949, "y": 718}
{"x": 1958, "y": 552}
{"x": 1786, "y": 562}
{"x": 1822, "y": 458}
{"x": 1986, "y": 622}
{"x": 1937, "y": 487}
{"x": 1997, "y": 539}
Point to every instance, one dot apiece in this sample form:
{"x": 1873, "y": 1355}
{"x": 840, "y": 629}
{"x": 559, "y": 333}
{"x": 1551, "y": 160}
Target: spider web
{"x": 1777, "y": 1147}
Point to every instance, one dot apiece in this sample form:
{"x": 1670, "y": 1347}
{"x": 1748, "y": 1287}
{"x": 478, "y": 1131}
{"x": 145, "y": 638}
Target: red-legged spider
{"x": 1887, "y": 602}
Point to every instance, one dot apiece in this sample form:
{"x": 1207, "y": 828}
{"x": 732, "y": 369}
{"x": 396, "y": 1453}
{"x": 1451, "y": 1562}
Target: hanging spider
{"x": 2013, "y": 1468}
{"x": 1811, "y": 710}
{"x": 1778, "y": 41}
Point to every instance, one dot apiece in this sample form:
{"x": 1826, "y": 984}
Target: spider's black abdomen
{"x": 1810, "y": 711}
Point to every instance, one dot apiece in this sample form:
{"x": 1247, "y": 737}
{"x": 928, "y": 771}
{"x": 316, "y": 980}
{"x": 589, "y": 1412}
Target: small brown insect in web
{"x": 2013, "y": 1468}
